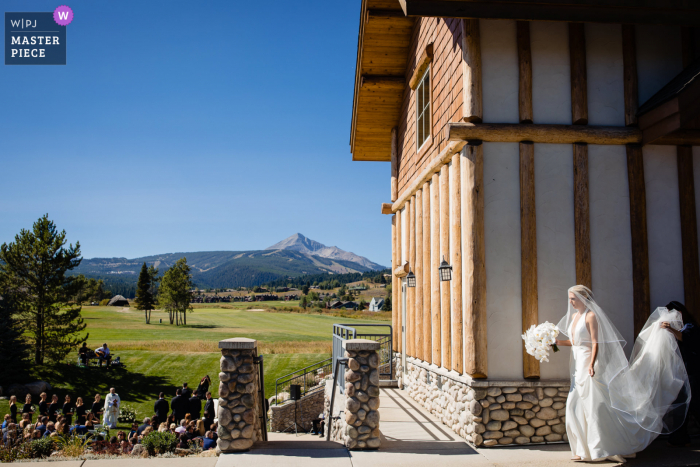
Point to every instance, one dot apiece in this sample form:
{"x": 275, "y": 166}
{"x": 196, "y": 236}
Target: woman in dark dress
{"x": 80, "y": 411}
{"x": 53, "y": 408}
{"x": 68, "y": 410}
{"x": 28, "y": 408}
{"x": 13, "y": 409}
{"x": 43, "y": 405}
{"x": 97, "y": 408}
{"x": 203, "y": 387}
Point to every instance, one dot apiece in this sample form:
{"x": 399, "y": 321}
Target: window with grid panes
{"x": 423, "y": 109}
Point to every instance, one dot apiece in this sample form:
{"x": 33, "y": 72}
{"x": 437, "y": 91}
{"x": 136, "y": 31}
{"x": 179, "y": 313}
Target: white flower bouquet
{"x": 538, "y": 340}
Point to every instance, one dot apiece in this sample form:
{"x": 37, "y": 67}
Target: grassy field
{"x": 161, "y": 356}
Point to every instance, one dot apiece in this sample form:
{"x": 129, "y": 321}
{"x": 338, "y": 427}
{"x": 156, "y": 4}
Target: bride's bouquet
{"x": 538, "y": 340}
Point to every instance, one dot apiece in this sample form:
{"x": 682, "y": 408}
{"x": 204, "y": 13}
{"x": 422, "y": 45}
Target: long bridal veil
{"x": 652, "y": 389}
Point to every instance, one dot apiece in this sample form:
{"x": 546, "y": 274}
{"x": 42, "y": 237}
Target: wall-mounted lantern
{"x": 411, "y": 279}
{"x": 445, "y": 270}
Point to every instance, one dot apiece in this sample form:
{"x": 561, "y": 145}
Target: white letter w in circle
{"x": 63, "y": 15}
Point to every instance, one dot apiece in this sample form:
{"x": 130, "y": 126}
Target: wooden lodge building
{"x": 534, "y": 145}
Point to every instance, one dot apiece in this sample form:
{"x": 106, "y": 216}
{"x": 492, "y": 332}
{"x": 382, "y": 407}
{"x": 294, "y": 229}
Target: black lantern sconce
{"x": 445, "y": 270}
{"x": 411, "y": 279}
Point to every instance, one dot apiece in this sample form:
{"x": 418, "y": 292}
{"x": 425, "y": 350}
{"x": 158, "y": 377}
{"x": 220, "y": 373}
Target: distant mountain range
{"x": 293, "y": 256}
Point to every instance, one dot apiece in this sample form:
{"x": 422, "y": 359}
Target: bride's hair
{"x": 583, "y": 291}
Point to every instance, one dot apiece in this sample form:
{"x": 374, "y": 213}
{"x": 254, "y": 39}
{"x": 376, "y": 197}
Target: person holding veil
{"x": 617, "y": 407}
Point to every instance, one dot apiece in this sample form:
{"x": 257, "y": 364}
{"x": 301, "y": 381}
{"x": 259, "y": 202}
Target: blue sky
{"x": 192, "y": 126}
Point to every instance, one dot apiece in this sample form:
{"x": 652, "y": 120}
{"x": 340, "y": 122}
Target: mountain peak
{"x": 302, "y": 244}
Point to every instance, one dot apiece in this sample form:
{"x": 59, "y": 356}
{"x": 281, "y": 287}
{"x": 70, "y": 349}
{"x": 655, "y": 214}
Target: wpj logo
{"x": 36, "y": 38}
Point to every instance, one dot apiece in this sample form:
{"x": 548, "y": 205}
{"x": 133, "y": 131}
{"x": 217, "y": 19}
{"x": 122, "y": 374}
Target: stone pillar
{"x": 239, "y": 396}
{"x": 362, "y": 394}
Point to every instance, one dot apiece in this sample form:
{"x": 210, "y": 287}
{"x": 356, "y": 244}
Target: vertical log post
{"x": 528, "y": 250}
{"x": 394, "y": 164}
{"x": 394, "y": 292}
{"x": 471, "y": 53}
{"x": 427, "y": 275}
{"x": 434, "y": 273}
{"x": 689, "y": 230}
{"x": 629, "y": 66}
{"x": 411, "y": 295}
{"x": 418, "y": 271}
{"x": 397, "y": 305}
{"x": 579, "y": 89}
{"x": 640, "y": 245}
{"x": 474, "y": 251}
{"x": 445, "y": 251}
{"x": 582, "y": 227}
{"x": 456, "y": 262}
{"x": 525, "y": 72}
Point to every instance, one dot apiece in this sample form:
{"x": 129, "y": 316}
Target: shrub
{"x": 14, "y": 452}
{"x": 42, "y": 447}
{"x": 72, "y": 446}
{"x": 158, "y": 442}
{"x": 104, "y": 302}
{"x": 127, "y": 414}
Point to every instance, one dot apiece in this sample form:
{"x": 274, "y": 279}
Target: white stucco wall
{"x": 499, "y": 71}
{"x": 658, "y": 57}
{"x": 556, "y": 257}
{"x": 606, "y": 103}
{"x": 611, "y": 236}
{"x": 551, "y": 87}
{"x": 502, "y": 242}
{"x": 663, "y": 225}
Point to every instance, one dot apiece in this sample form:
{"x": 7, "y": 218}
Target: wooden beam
{"x": 418, "y": 271}
{"x": 680, "y": 138}
{"x": 629, "y": 66}
{"x": 382, "y": 82}
{"x": 411, "y": 295}
{"x": 433, "y": 167}
{"x": 427, "y": 275}
{"x": 422, "y": 65}
{"x": 398, "y": 274}
{"x": 445, "y": 307}
{"x": 676, "y": 12}
{"x": 538, "y": 133}
{"x": 435, "y": 261}
{"x": 474, "y": 251}
{"x": 456, "y": 262}
{"x": 395, "y": 335}
{"x": 577, "y": 61}
{"x": 524, "y": 72}
{"x": 689, "y": 230}
{"x": 638, "y": 227}
{"x": 402, "y": 269}
{"x": 528, "y": 251}
{"x": 384, "y": 14}
{"x": 471, "y": 61}
{"x": 394, "y": 164}
{"x": 582, "y": 227}
{"x": 386, "y": 208}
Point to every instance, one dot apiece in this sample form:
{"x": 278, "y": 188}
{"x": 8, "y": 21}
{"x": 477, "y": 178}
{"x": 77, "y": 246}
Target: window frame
{"x": 428, "y": 142}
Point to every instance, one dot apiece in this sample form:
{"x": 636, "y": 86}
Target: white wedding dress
{"x": 625, "y": 405}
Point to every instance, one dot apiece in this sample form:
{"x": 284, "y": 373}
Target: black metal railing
{"x": 343, "y": 332}
{"x": 307, "y": 378}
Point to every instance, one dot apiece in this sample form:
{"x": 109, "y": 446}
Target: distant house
{"x": 118, "y": 300}
{"x": 349, "y": 305}
{"x": 376, "y": 304}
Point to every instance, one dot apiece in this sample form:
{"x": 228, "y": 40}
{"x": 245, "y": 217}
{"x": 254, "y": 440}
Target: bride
{"x": 617, "y": 408}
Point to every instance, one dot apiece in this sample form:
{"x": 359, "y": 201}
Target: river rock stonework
{"x": 308, "y": 408}
{"x": 489, "y": 413}
{"x": 239, "y": 397}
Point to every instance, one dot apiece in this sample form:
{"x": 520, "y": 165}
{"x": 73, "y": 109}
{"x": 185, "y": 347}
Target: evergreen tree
{"x": 38, "y": 263}
{"x": 144, "y": 298}
{"x": 387, "y": 304}
{"x": 174, "y": 292}
{"x": 14, "y": 350}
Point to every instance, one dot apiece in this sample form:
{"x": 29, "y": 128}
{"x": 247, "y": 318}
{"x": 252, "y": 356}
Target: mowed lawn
{"x": 161, "y": 356}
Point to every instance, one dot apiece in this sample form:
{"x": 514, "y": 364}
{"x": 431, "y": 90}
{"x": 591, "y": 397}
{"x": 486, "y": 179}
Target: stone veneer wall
{"x": 307, "y": 409}
{"x": 239, "y": 400}
{"x": 489, "y": 413}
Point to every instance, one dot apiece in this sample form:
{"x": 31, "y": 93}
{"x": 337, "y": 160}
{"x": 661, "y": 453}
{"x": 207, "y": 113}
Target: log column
{"x": 411, "y": 291}
{"x": 525, "y": 72}
{"x": 435, "y": 279}
{"x": 528, "y": 251}
{"x": 456, "y": 262}
{"x": 427, "y": 275}
{"x": 418, "y": 271}
{"x": 581, "y": 216}
{"x": 445, "y": 251}
{"x": 471, "y": 62}
{"x": 394, "y": 292}
{"x": 396, "y": 287}
{"x": 474, "y": 250}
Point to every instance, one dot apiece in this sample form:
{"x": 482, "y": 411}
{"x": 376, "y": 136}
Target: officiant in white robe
{"x": 112, "y": 405}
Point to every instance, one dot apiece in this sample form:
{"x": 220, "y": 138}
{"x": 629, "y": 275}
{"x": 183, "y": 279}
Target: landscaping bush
{"x": 72, "y": 446}
{"x": 42, "y": 447}
{"x": 127, "y": 414}
{"x": 104, "y": 302}
{"x": 158, "y": 442}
